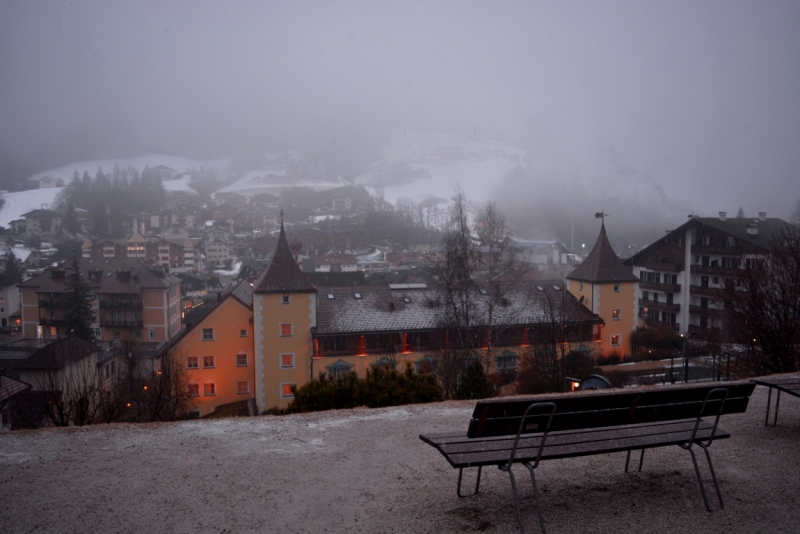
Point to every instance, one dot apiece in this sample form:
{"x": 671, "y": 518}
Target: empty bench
{"x": 528, "y": 431}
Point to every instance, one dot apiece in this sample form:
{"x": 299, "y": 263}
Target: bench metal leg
{"x": 628, "y": 459}
{"x": 700, "y": 479}
{"x": 769, "y": 401}
{"x": 477, "y": 483}
{"x": 777, "y": 403}
{"x": 535, "y": 495}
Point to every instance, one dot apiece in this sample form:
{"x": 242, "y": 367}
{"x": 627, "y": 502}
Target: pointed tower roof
{"x": 283, "y": 275}
{"x": 602, "y": 264}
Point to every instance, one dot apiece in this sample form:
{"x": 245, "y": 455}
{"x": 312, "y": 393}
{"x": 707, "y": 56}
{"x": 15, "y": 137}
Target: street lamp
{"x": 683, "y": 355}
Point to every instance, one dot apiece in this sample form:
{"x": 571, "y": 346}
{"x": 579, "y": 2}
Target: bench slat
{"x": 618, "y": 444}
{"x": 568, "y": 437}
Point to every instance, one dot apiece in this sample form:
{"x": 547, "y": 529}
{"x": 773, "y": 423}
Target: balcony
{"x": 708, "y": 312}
{"x": 44, "y": 321}
{"x": 662, "y": 267}
{"x": 656, "y": 286}
{"x": 51, "y": 304}
{"x": 705, "y": 291}
{"x": 121, "y": 322}
{"x": 675, "y": 327}
{"x": 663, "y": 306}
{"x": 121, "y": 304}
{"x": 713, "y": 270}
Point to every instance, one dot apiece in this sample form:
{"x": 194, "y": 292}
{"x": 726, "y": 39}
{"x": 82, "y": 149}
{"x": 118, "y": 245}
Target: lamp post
{"x": 683, "y": 355}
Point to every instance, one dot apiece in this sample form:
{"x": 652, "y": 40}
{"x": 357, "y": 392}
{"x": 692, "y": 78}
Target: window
{"x": 287, "y": 361}
{"x": 152, "y": 333}
{"x": 208, "y": 362}
{"x": 580, "y": 286}
{"x": 209, "y": 389}
{"x": 243, "y": 387}
{"x": 645, "y": 295}
{"x": 286, "y": 330}
{"x": 615, "y": 315}
{"x": 285, "y": 299}
{"x": 191, "y": 362}
{"x": 208, "y": 334}
{"x": 241, "y": 360}
{"x": 286, "y": 389}
{"x": 137, "y": 334}
{"x": 116, "y": 334}
{"x": 615, "y": 340}
{"x": 616, "y": 288}
{"x": 242, "y": 333}
{"x": 193, "y": 390}
{"x": 53, "y": 331}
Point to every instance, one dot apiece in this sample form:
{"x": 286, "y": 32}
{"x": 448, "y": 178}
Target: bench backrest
{"x": 615, "y": 407}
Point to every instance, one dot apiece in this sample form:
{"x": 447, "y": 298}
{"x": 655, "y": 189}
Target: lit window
{"x": 193, "y": 390}
{"x": 53, "y": 331}
{"x": 286, "y": 330}
{"x": 208, "y": 334}
{"x": 209, "y": 389}
{"x": 243, "y": 387}
{"x": 208, "y": 362}
{"x": 286, "y": 389}
{"x": 287, "y": 361}
{"x": 241, "y": 360}
{"x": 615, "y": 340}
{"x": 615, "y": 315}
{"x": 616, "y": 288}
{"x": 285, "y": 299}
{"x": 191, "y": 362}
{"x": 242, "y": 333}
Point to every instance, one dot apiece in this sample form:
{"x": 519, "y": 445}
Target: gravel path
{"x": 367, "y": 471}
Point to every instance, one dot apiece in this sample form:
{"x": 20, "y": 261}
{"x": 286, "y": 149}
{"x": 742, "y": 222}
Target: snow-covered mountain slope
{"x": 179, "y": 163}
{"x": 180, "y": 185}
{"x": 24, "y": 201}
{"x": 419, "y": 165}
{"x": 274, "y": 181}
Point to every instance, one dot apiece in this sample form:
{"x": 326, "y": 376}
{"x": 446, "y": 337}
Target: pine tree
{"x": 78, "y": 315}
{"x": 71, "y": 223}
{"x": 740, "y": 213}
{"x": 13, "y": 270}
{"x": 474, "y": 383}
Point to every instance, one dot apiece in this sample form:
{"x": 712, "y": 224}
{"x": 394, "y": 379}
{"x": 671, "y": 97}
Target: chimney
{"x": 752, "y": 229}
{"x": 723, "y": 216}
{"x": 762, "y": 216}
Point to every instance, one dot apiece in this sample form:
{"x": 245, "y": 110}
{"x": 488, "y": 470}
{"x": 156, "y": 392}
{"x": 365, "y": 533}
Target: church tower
{"x": 284, "y": 312}
{"x": 608, "y": 288}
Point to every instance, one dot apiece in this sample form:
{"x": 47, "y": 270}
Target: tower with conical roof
{"x": 607, "y": 287}
{"x": 284, "y": 312}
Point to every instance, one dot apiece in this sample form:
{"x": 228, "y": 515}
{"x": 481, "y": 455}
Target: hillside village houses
{"x": 276, "y": 328}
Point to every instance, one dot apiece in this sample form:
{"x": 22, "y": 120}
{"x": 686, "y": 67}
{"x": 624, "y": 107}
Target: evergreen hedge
{"x": 381, "y": 387}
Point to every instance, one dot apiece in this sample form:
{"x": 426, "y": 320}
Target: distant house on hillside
{"x": 48, "y": 182}
{"x": 42, "y": 222}
{"x": 336, "y": 262}
{"x": 162, "y": 172}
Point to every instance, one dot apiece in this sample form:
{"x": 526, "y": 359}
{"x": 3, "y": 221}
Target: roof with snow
{"x": 602, "y": 264}
{"x": 284, "y": 275}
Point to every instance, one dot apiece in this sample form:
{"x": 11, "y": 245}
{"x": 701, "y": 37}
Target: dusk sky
{"x": 698, "y": 100}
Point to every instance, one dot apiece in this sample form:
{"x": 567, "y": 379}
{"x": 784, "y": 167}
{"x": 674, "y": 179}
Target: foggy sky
{"x": 699, "y": 99}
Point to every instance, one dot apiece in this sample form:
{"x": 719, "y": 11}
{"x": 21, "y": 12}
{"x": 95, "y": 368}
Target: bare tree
{"x": 65, "y": 375}
{"x": 763, "y": 307}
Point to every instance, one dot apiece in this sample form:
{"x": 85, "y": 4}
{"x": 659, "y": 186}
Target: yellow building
{"x": 217, "y": 353}
{"x": 301, "y": 331}
{"x": 607, "y": 287}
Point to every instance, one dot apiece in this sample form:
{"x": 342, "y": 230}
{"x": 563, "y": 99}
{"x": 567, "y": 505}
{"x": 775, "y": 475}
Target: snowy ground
{"x": 21, "y": 202}
{"x": 367, "y": 471}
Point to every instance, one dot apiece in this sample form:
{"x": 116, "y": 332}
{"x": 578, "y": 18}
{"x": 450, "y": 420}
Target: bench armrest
{"x": 716, "y": 392}
{"x": 536, "y": 406}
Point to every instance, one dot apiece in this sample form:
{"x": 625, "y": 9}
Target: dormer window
{"x": 357, "y": 295}
{"x": 330, "y": 296}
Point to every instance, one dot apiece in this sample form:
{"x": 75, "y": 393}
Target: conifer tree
{"x": 13, "y": 270}
{"x": 474, "y": 383}
{"x": 78, "y": 314}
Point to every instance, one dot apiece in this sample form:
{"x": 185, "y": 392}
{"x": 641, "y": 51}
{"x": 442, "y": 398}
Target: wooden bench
{"x": 786, "y": 384}
{"x": 527, "y": 431}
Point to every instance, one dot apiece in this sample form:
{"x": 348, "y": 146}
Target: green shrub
{"x": 474, "y": 383}
{"x": 381, "y": 387}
